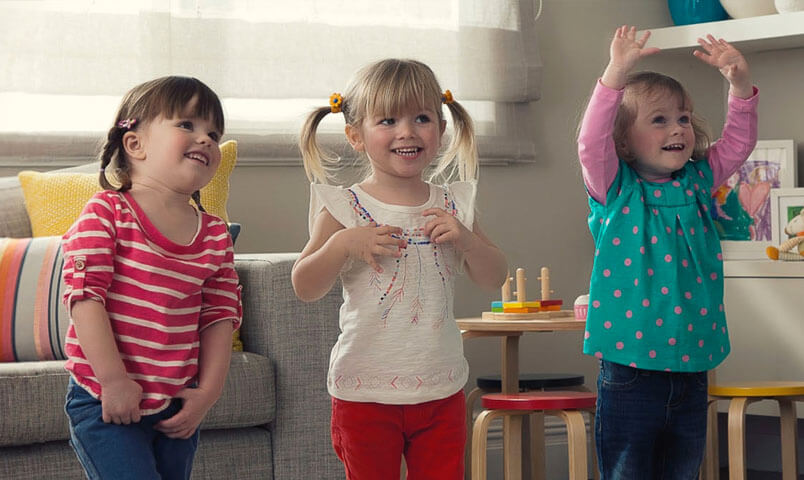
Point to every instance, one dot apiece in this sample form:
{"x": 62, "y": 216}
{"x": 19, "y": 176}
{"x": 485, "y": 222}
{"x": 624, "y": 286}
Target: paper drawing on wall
{"x": 741, "y": 206}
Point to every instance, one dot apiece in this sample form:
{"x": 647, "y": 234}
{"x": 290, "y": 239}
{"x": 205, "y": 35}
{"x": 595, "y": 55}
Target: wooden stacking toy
{"x": 523, "y": 309}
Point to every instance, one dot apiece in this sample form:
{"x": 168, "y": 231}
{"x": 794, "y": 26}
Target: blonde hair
{"x": 166, "y": 96}
{"x": 388, "y": 87}
{"x": 652, "y": 84}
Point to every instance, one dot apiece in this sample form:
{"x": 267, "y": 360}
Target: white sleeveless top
{"x": 399, "y": 343}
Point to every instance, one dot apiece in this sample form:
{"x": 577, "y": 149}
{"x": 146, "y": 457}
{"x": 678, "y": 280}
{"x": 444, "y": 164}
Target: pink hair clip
{"x": 128, "y": 123}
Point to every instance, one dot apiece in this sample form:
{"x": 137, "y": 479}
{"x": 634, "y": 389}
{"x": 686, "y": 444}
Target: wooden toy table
{"x": 496, "y": 325}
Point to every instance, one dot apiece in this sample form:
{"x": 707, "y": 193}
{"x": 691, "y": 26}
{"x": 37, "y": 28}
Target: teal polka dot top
{"x": 656, "y": 293}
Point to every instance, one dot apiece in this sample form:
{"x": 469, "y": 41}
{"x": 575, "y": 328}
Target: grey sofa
{"x": 272, "y": 421}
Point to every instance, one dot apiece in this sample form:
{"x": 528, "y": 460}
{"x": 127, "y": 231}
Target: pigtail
{"x": 461, "y": 154}
{"x": 313, "y": 157}
{"x": 196, "y": 196}
{"x": 112, "y": 153}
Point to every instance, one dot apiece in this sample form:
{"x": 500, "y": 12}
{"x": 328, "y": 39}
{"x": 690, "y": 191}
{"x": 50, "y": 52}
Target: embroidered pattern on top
{"x": 416, "y": 238}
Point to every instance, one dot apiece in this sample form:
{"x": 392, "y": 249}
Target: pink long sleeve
{"x": 595, "y": 142}
{"x": 737, "y": 140}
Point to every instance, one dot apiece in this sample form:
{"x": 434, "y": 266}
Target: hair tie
{"x": 127, "y": 124}
{"x": 446, "y": 97}
{"x": 102, "y": 169}
{"x": 335, "y": 102}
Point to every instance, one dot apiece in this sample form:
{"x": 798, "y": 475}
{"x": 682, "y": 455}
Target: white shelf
{"x": 762, "y": 269}
{"x": 769, "y": 32}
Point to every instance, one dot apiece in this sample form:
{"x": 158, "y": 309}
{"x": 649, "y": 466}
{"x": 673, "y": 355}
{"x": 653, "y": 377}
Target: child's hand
{"x": 120, "y": 401}
{"x": 184, "y": 423}
{"x": 446, "y": 228}
{"x": 625, "y": 52}
{"x": 368, "y": 243}
{"x": 730, "y": 62}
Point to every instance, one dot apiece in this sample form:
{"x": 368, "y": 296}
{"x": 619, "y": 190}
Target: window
{"x": 69, "y": 62}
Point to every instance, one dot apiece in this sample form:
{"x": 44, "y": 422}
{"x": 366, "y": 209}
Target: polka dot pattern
{"x": 656, "y": 289}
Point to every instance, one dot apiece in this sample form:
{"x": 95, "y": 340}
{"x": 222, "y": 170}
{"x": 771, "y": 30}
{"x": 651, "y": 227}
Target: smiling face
{"x": 399, "y": 146}
{"x": 180, "y": 153}
{"x": 661, "y": 138}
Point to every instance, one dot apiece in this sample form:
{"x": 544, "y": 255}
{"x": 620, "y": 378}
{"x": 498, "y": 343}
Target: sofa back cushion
{"x": 13, "y": 217}
{"x": 54, "y": 200}
{"x": 33, "y": 321}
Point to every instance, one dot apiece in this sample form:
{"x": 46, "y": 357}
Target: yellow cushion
{"x": 54, "y": 200}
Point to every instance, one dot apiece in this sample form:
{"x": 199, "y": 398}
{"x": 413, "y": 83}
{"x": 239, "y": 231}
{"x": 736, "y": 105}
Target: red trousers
{"x": 370, "y": 438}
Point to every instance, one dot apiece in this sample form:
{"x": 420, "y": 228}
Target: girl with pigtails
{"x": 151, "y": 289}
{"x": 396, "y": 241}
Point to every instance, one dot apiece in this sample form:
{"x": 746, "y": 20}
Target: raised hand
{"x": 731, "y": 63}
{"x": 368, "y": 243}
{"x": 625, "y": 52}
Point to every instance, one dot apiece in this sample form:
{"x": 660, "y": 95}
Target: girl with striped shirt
{"x": 151, "y": 290}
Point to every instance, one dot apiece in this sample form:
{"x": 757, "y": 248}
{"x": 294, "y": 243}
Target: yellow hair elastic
{"x": 446, "y": 97}
{"x": 335, "y": 102}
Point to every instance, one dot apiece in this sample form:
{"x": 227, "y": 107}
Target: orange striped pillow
{"x": 33, "y": 321}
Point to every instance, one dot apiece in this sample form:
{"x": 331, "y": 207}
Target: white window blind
{"x": 67, "y": 63}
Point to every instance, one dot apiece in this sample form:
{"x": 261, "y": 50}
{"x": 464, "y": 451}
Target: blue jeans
{"x": 136, "y": 451}
{"x": 650, "y": 424}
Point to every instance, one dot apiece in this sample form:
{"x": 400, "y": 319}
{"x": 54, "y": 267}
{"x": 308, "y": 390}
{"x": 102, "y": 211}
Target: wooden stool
{"x": 527, "y": 382}
{"x": 742, "y": 394}
{"x": 564, "y": 404}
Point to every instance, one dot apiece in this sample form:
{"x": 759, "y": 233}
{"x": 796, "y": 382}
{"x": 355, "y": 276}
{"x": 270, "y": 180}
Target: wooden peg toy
{"x": 545, "y": 278}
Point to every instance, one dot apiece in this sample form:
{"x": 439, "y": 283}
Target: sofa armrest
{"x": 298, "y": 338}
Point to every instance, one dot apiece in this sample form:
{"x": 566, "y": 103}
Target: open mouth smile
{"x": 673, "y": 147}
{"x": 407, "y": 151}
{"x": 199, "y": 157}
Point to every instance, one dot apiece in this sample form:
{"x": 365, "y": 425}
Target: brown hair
{"x": 166, "y": 96}
{"x": 652, "y": 84}
{"x": 387, "y": 87}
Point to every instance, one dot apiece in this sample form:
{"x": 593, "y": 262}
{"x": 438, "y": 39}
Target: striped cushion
{"x": 33, "y": 321}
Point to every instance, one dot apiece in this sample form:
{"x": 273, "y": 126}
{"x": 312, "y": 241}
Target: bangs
{"x": 655, "y": 92}
{"x": 170, "y": 97}
{"x": 400, "y": 87}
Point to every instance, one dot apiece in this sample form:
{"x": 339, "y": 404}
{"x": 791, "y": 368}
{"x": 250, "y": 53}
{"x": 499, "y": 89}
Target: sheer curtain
{"x": 68, "y": 62}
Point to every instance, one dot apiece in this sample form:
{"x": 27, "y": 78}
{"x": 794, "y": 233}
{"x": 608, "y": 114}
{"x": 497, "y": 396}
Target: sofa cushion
{"x": 33, "y": 321}
{"x": 34, "y": 392}
{"x": 54, "y": 200}
{"x": 13, "y": 217}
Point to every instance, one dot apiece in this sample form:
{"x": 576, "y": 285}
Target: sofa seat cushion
{"x": 34, "y": 392}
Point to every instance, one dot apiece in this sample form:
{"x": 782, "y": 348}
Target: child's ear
{"x": 354, "y": 137}
{"x": 133, "y": 146}
{"x": 443, "y": 127}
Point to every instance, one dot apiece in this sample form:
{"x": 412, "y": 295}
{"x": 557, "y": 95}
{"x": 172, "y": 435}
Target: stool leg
{"x": 710, "y": 468}
{"x": 576, "y": 442}
{"x": 537, "y": 447}
{"x": 737, "y": 407}
{"x": 480, "y": 440}
{"x": 512, "y": 446}
{"x": 470, "y": 407}
{"x": 789, "y": 422}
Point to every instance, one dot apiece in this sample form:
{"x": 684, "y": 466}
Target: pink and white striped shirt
{"x": 159, "y": 295}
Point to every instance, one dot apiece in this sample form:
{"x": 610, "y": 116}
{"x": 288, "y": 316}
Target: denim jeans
{"x": 136, "y": 451}
{"x": 650, "y": 424}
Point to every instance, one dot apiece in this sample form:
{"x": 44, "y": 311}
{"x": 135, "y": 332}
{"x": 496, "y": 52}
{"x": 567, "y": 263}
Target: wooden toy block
{"x": 521, "y": 308}
{"x": 521, "y": 304}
